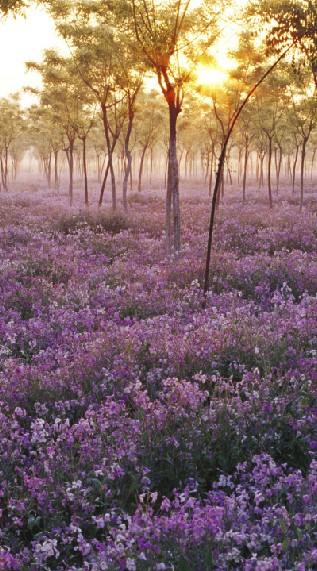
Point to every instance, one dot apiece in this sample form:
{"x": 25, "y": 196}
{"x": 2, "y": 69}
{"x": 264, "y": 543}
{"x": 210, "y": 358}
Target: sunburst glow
{"x": 208, "y": 76}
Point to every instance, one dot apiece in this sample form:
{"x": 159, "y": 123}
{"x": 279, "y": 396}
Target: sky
{"x": 23, "y": 39}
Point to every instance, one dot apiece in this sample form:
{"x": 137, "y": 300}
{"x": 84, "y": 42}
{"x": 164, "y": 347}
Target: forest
{"x": 158, "y": 277}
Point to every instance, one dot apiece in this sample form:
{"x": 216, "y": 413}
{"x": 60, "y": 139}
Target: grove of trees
{"x": 96, "y": 104}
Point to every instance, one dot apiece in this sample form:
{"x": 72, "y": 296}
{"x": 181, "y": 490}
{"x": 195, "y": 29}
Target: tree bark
{"x": 294, "y": 168}
{"x": 302, "y": 169}
{"x": 49, "y": 170}
{"x": 128, "y": 154}
{"x": 245, "y": 167}
{"x": 269, "y": 165}
{"x": 70, "y": 159}
{"x": 278, "y": 165}
{"x": 173, "y": 179}
{"x": 103, "y": 186}
{"x": 110, "y": 148}
{"x": 141, "y": 167}
{"x": 85, "y": 172}
{"x": 168, "y": 207}
{"x": 56, "y": 184}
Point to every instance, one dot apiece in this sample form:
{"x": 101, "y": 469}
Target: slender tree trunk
{"x": 186, "y": 163}
{"x": 151, "y": 167}
{"x": 207, "y": 168}
{"x": 85, "y": 172}
{"x": 229, "y": 175}
{"x": 103, "y": 186}
{"x": 3, "y": 176}
{"x": 278, "y": 165}
{"x": 210, "y": 183}
{"x": 128, "y": 155}
{"x": 49, "y": 170}
{"x": 269, "y": 165}
{"x": 168, "y": 211}
{"x": 110, "y": 148}
{"x": 239, "y": 164}
{"x": 261, "y": 177}
{"x": 70, "y": 160}
{"x": 166, "y": 170}
{"x": 246, "y": 156}
{"x": 56, "y": 184}
{"x": 257, "y": 168}
{"x": 302, "y": 170}
{"x": 6, "y": 169}
{"x": 222, "y": 186}
{"x": 141, "y": 168}
{"x": 71, "y": 172}
{"x": 312, "y": 163}
{"x": 288, "y": 168}
{"x": 173, "y": 180}
{"x": 294, "y": 168}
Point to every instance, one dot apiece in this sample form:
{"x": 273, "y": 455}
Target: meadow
{"x": 141, "y": 431}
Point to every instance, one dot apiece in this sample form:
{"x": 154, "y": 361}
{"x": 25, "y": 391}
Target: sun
{"x": 210, "y": 76}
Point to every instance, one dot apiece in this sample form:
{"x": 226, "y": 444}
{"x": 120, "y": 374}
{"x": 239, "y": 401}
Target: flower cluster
{"x": 140, "y": 429}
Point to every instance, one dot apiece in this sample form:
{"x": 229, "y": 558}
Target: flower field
{"x": 139, "y": 431}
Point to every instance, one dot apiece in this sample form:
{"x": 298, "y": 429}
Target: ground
{"x": 139, "y": 430}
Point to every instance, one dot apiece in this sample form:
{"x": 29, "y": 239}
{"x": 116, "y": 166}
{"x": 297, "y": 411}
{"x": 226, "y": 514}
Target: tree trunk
{"x": 166, "y": 170}
{"x": 168, "y": 212}
{"x": 56, "y": 184}
{"x": 3, "y": 176}
{"x": 312, "y": 163}
{"x": 269, "y": 172}
{"x": 103, "y": 186}
{"x": 302, "y": 169}
{"x": 128, "y": 155}
{"x": 207, "y": 167}
{"x": 278, "y": 165}
{"x": 288, "y": 169}
{"x": 245, "y": 167}
{"x": 151, "y": 167}
{"x": 110, "y": 148}
{"x": 239, "y": 163}
{"x": 294, "y": 168}
{"x": 49, "y": 170}
{"x": 6, "y": 170}
{"x": 70, "y": 159}
{"x": 173, "y": 179}
{"x": 85, "y": 172}
{"x": 141, "y": 167}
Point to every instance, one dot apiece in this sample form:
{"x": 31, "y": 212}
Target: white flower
{"x": 130, "y": 565}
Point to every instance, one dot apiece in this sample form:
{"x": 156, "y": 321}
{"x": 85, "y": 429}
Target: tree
{"x": 165, "y": 32}
{"x": 13, "y": 6}
{"x": 108, "y": 66}
{"x": 83, "y": 126}
{"x": 247, "y": 97}
{"x": 11, "y": 125}
{"x": 295, "y": 21}
{"x": 148, "y": 127}
{"x": 269, "y": 115}
{"x": 45, "y": 136}
{"x": 67, "y": 105}
{"x": 303, "y": 118}
{"x": 247, "y": 134}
